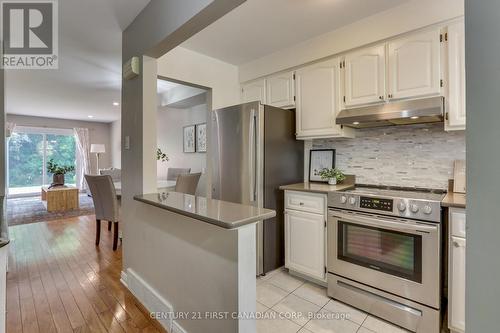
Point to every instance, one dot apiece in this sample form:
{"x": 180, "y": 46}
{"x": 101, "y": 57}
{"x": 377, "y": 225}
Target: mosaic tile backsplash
{"x": 413, "y": 156}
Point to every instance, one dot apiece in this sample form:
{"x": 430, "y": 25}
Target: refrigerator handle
{"x": 253, "y": 156}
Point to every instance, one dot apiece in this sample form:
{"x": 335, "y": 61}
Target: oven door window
{"x": 388, "y": 251}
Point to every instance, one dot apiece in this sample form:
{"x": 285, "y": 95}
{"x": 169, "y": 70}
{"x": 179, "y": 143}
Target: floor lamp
{"x": 97, "y": 149}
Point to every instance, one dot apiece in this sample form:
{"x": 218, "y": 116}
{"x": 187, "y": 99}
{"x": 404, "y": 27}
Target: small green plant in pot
{"x": 333, "y": 175}
{"x": 58, "y": 172}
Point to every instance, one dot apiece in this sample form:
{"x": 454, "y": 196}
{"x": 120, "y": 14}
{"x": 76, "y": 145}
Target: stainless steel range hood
{"x": 417, "y": 111}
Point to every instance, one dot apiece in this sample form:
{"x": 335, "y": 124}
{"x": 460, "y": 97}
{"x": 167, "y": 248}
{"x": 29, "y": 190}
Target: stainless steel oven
{"x": 384, "y": 253}
{"x": 399, "y": 256}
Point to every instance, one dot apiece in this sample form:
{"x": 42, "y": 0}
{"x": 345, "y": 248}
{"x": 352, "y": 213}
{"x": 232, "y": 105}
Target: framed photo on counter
{"x": 189, "y": 139}
{"x": 320, "y": 159}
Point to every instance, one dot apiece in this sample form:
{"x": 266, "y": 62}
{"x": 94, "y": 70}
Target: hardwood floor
{"x": 58, "y": 281}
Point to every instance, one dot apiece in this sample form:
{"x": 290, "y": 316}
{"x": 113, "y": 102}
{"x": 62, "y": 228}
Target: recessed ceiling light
{"x": 90, "y": 116}
{"x": 116, "y": 103}
{"x": 356, "y": 123}
{"x": 414, "y": 117}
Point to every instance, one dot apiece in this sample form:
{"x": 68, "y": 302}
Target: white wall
{"x": 98, "y": 132}
{"x": 170, "y": 134}
{"x": 115, "y": 144}
{"x": 192, "y": 67}
{"x": 189, "y": 66}
{"x": 398, "y": 20}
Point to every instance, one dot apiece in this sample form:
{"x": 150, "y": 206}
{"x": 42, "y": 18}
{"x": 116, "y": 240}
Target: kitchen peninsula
{"x": 198, "y": 256}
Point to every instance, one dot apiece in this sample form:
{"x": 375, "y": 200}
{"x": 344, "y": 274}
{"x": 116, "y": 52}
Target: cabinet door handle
{"x": 455, "y": 244}
{"x": 381, "y": 97}
{"x": 301, "y": 203}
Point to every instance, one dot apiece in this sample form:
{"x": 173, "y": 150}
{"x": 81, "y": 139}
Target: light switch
{"x": 127, "y": 142}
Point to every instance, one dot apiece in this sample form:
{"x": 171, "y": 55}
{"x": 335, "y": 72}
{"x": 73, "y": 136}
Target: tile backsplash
{"x": 414, "y": 156}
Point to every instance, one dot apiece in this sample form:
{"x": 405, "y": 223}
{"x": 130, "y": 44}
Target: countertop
{"x": 4, "y": 230}
{"x": 316, "y": 187}
{"x": 454, "y": 200}
{"x": 224, "y": 214}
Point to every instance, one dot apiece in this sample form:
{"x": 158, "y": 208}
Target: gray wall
{"x": 412, "y": 156}
{"x": 2, "y": 136}
{"x": 170, "y": 125}
{"x": 98, "y": 132}
{"x": 116, "y": 144}
{"x": 482, "y": 57}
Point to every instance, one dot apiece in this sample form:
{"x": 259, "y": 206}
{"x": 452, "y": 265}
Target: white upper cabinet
{"x": 414, "y": 65}
{"x": 364, "y": 76}
{"x": 280, "y": 90}
{"x": 254, "y": 91}
{"x": 455, "y": 38}
{"x": 317, "y": 100}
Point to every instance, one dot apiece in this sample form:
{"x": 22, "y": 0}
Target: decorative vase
{"x": 58, "y": 179}
{"x": 332, "y": 181}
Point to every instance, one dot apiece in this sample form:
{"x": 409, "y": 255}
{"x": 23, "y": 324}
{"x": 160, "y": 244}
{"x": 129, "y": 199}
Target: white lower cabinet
{"x": 305, "y": 238}
{"x": 456, "y": 271}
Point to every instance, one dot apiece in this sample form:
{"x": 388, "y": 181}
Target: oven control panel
{"x": 385, "y": 205}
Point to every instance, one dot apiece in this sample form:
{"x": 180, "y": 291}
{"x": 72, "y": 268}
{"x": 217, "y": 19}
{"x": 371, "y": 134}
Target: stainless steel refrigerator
{"x": 253, "y": 152}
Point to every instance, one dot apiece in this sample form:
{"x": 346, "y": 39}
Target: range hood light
{"x": 356, "y": 123}
{"x": 414, "y": 117}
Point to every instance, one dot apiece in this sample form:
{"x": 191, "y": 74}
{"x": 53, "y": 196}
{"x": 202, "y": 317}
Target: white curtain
{"x": 82, "y": 156}
{"x": 9, "y": 129}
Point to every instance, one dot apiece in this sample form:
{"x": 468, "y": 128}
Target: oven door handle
{"x": 383, "y": 223}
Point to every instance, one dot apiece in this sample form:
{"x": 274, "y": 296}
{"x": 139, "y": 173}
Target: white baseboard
{"x": 150, "y": 299}
{"x": 176, "y": 328}
{"x": 123, "y": 278}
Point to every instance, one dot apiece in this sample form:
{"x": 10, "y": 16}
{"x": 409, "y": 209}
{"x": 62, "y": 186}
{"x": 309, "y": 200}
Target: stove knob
{"x": 401, "y": 206}
{"x": 427, "y": 209}
{"x": 343, "y": 199}
{"x": 352, "y": 200}
{"x": 414, "y": 208}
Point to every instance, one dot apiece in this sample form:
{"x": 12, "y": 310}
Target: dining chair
{"x": 173, "y": 173}
{"x": 105, "y": 204}
{"x": 187, "y": 183}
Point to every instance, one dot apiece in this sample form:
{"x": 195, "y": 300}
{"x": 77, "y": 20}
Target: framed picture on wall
{"x": 320, "y": 159}
{"x": 201, "y": 138}
{"x": 189, "y": 139}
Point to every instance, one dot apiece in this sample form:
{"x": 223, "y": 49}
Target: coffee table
{"x": 60, "y": 198}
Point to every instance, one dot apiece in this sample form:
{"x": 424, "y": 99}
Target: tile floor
{"x": 287, "y": 304}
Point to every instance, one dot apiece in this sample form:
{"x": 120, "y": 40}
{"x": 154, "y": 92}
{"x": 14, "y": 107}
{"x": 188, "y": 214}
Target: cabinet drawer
{"x": 306, "y": 202}
{"x": 457, "y": 222}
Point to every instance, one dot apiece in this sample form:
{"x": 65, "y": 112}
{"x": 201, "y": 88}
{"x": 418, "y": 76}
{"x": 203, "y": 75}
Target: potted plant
{"x": 161, "y": 156}
{"x": 58, "y": 172}
{"x": 333, "y": 175}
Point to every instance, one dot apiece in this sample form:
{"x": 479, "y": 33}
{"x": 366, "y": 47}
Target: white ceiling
{"x": 88, "y": 80}
{"x": 261, "y": 27}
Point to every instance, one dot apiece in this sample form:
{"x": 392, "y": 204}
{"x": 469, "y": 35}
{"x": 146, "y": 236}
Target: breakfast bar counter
{"x": 224, "y": 214}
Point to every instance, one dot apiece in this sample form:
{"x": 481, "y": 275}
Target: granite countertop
{"x": 316, "y": 187}
{"x": 224, "y": 214}
{"x": 454, "y": 200}
{"x": 4, "y": 230}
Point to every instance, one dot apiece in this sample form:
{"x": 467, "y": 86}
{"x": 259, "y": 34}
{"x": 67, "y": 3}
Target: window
{"x": 29, "y": 149}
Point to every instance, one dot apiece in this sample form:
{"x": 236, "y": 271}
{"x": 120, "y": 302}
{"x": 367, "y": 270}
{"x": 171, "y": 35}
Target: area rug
{"x": 31, "y": 209}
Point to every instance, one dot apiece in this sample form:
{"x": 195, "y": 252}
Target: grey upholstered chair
{"x": 105, "y": 204}
{"x": 187, "y": 183}
{"x": 172, "y": 173}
